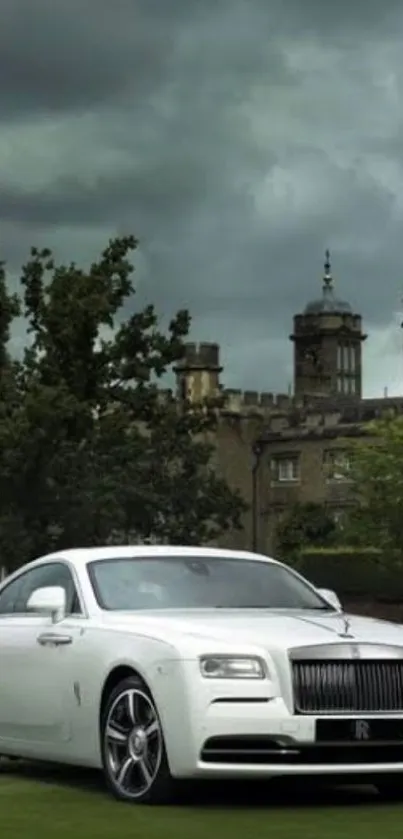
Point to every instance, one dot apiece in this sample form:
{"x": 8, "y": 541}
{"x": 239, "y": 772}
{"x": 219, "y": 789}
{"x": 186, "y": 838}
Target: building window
{"x": 183, "y": 391}
{"x": 285, "y": 468}
{"x": 337, "y": 465}
{"x": 346, "y": 385}
{"x": 346, "y": 358}
{"x": 342, "y": 358}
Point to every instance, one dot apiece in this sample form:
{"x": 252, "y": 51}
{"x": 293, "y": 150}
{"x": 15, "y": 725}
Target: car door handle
{"x": 53, "y": 639}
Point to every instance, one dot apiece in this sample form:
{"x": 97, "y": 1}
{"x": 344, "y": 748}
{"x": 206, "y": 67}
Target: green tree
{"x": 304, "y": 525}
{"x": 90, "y": 448}
{"x": 10, "y": 402}
{"x": 376, "y": 475}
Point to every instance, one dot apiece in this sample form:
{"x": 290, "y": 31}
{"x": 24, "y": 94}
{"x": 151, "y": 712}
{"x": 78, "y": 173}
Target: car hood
{"x": 272, "y": 629}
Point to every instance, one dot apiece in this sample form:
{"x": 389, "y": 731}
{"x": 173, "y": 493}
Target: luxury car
{"x": 161, "y": 664}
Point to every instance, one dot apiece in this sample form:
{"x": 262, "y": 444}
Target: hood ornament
{"x": 346, "y": 627}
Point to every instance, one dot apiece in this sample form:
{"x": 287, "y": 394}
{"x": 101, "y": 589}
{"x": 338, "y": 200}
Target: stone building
{"x": 281, "y": 449}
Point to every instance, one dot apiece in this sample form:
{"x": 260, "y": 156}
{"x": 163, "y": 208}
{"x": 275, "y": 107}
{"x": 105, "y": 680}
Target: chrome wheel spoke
{"x": 131, "y": 707}
{"x": 146, "y": 773}
{"x": 152, "y": 728}
{"x": 116, "y": 735}
{"x": 123, "y": 771}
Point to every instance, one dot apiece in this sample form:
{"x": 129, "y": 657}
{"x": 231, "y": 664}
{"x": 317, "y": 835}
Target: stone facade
{"x": 282, "y": 449}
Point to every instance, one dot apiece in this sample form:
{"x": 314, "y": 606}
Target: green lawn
{"x": 46, "y": 803}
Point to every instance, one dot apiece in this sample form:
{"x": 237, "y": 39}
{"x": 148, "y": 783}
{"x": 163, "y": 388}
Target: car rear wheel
{"x": 133, "y": 750}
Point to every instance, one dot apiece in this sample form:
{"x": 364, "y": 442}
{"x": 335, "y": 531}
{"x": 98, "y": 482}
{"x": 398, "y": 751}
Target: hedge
{"x": 353, "y": 572}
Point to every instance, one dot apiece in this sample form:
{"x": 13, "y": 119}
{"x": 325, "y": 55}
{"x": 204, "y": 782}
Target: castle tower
{"x": 198, "y": 373}
{"x": 327, "y": 341}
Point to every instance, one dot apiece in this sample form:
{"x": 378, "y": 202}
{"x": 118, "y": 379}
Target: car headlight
{"x": 232, "y": 667}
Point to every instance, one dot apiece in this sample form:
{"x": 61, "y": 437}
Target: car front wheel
{"x": 133, "y": 750}
{"x": 391, "y": 788}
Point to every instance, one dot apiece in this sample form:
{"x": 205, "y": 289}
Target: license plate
{"x": 359, "y": 730}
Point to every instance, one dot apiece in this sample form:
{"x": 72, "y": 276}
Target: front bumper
{"x": 225, "y": 731}
{"x": 263, "y": 741}
{"x": 288, "y": 746}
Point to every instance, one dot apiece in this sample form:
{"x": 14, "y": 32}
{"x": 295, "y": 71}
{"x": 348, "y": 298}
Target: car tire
{"x": 391, "y": 789}
{"x": 134, "y": 757}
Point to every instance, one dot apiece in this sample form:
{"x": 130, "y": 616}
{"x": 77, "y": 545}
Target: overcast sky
{"x": 236, "y": 140}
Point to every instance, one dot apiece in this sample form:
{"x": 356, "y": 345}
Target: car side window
{"x": 14, "y": 598}
{"x": 9, "y": 596}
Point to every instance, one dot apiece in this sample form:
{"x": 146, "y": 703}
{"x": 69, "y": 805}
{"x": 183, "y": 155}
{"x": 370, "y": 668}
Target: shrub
{"x": 352, "y": 572}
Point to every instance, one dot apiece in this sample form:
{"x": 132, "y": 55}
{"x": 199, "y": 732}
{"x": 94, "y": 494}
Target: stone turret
{"x": 327, "y": 341}
{"x": 198, "y": 373}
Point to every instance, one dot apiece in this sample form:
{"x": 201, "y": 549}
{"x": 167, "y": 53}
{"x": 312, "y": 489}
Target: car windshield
{"x": 199, "y": 582}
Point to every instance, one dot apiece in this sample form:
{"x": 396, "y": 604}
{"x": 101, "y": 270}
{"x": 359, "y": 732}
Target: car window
{"x": 15, "y": 596}
{"x": 199, "y": 582}
{"x": 8, "y": 597}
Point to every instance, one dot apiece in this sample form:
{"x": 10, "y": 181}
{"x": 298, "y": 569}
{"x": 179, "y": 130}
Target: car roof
{"x": 82, "y": 556}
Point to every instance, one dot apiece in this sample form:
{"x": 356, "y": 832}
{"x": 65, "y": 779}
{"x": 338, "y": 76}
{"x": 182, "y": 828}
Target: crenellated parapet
{"x": 201, "y": 356}
{"x": 252, "y": 401}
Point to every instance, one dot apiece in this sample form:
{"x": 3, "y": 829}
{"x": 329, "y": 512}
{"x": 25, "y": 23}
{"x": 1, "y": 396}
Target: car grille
{"x": 337, "y": 687}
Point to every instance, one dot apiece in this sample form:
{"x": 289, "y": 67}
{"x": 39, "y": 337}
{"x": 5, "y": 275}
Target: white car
{"x": 157, "y": 664}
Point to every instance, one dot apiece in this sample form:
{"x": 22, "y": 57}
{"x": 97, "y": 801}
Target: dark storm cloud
{"x": 344, "y": 18}
{"x": 236, "y": 138}
{"x": 56, "y": 56}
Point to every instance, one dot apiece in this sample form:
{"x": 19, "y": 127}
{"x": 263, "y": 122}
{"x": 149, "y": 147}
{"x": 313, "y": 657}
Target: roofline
{"x": 319, "y": 433}
{"x": 105, "y": 552}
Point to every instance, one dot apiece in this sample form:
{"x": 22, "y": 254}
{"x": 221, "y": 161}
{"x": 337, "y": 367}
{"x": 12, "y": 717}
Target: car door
{"x": 37, "y": 662}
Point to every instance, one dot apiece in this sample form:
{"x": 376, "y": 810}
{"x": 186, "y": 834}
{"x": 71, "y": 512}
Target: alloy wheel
{"x": 133, "y": 743}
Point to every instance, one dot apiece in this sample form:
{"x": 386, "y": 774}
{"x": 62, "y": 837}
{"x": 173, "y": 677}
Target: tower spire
{"x": 327, "y": 277}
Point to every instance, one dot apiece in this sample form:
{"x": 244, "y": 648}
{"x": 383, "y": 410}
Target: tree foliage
{"x": 90, "y": 450}
{"x": 304, "y": 525}
{"x": 376, "y": 475}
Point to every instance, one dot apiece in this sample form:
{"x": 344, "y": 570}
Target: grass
{"x": 48, "y": 803}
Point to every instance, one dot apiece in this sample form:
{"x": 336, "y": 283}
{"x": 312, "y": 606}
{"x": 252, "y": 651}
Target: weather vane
{"x": 327, "y": 279}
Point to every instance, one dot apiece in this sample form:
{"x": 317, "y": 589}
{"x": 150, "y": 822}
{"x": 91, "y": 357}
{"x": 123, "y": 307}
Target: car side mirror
{"x": 331, "y": 597}
{"x": 49, "y": 601}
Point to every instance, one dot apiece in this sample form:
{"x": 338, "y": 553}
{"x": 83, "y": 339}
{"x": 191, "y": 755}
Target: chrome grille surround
{"x": 347, "y": 678}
